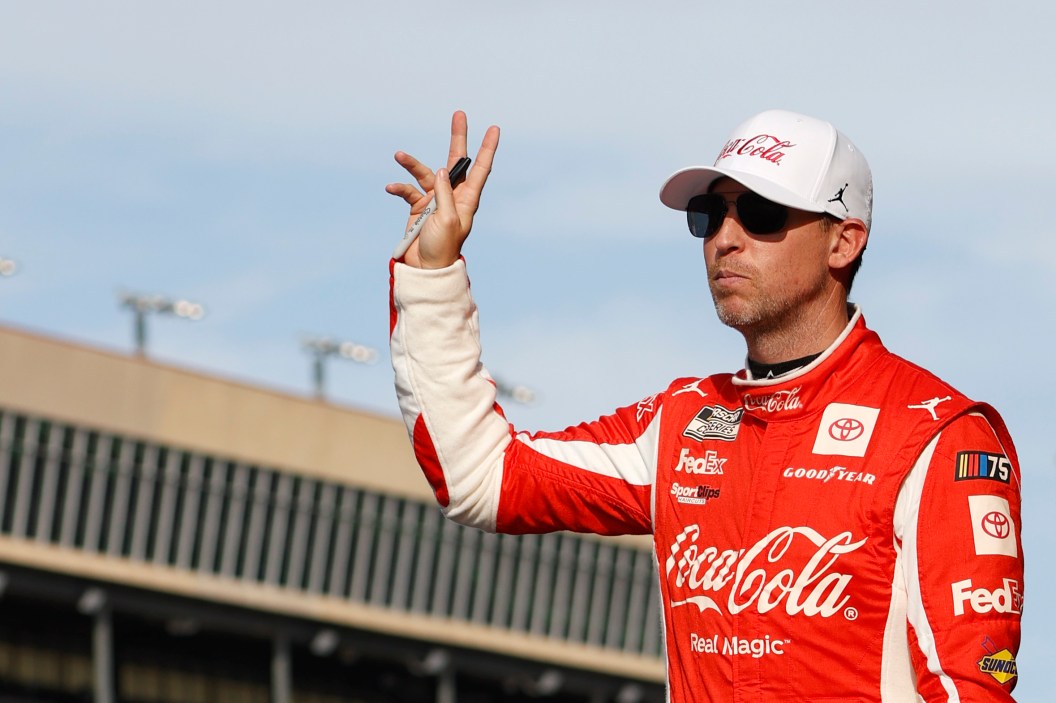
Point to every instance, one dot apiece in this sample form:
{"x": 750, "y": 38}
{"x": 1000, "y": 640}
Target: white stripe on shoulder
{"x": 634, "y": 462}
{"x": 907, "y": 514}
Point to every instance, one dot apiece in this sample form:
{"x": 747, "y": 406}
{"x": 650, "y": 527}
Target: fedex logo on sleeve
{"x": 1006, "y": 599}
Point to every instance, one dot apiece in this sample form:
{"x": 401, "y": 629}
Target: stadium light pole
{"x": 322, "y": 348}
{"x": 517, "y": 393}
{"x": 143, "y": 305}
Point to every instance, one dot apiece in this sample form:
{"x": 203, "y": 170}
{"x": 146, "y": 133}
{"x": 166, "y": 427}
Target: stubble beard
{"x": 763, "y": 312}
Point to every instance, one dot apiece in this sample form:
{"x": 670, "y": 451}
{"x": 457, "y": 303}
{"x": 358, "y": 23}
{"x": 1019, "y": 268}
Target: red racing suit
{"x": 846, "y": 532}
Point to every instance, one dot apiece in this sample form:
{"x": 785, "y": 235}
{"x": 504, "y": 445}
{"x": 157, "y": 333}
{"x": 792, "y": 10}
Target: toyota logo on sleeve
{"x": 846, "y": 429}
{"x": 995, "y": 524}
{"x": 993, "y": 529}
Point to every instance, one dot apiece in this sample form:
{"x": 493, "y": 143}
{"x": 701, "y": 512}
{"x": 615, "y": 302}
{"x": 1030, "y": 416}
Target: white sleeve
{"x": 445, "y": 392}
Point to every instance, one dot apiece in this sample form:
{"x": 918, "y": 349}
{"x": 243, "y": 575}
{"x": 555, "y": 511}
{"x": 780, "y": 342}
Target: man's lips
{"x": 729, "y": 275}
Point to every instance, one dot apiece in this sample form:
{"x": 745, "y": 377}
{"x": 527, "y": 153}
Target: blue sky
{"x": 235, "y": 153}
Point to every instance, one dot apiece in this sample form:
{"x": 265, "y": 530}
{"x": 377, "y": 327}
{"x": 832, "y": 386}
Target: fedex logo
{"x": 709, "y": 464}
{"x": 1006, "y": 599}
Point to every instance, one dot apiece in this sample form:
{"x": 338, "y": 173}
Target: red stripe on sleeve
{"x": 425, "y": 453}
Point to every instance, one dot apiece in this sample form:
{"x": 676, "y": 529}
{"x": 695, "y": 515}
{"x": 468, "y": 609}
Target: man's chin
{"x": 735, "y": 316}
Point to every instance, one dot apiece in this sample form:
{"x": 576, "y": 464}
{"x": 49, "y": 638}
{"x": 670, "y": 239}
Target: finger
{"x": 407, "y": 191}
{"x": 459, "y": 130}
{"x": 419, "y": 171}
{"x": 478, "y": 175}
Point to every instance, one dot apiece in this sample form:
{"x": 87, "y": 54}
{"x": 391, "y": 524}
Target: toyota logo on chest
{"x": 846, "y": 429}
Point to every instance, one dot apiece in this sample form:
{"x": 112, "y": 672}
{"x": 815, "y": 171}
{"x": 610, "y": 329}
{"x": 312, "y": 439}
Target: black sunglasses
{"x": 757, "y": 214}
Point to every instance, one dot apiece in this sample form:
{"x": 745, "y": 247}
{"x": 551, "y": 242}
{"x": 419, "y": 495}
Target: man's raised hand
{"x": 440, "y": 242}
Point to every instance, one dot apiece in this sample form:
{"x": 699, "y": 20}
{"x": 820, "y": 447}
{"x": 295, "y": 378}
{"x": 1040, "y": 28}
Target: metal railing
{"x": 123, "y": 497}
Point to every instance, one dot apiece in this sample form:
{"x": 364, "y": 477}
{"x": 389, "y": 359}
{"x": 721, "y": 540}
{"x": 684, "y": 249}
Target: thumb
{"x": 441, "y": 241}
{"x": 444, "y": 194}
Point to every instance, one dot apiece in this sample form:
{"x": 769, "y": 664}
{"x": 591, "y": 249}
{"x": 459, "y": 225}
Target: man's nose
{"x": 730, "y": 235}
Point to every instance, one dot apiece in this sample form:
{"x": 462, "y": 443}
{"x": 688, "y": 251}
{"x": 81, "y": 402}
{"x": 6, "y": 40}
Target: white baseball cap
{"x": 791, "y": 159}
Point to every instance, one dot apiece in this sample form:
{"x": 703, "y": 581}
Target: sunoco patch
{"x": 999, "y": 664}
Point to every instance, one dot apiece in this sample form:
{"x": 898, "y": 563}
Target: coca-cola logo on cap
{"x": 764, "y": 146}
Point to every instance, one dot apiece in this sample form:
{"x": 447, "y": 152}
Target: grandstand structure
{"x": 172, "y": 537}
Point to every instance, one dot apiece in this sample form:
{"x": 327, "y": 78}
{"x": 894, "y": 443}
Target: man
{"x": 831, "y": 523}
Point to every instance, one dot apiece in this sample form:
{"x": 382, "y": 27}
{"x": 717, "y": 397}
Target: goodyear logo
{"x": 1001, "y": 665}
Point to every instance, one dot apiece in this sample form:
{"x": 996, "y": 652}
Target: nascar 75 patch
{"x": 982, "y": 465}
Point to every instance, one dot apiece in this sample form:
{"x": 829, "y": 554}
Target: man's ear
{"x": 849, "y": 238}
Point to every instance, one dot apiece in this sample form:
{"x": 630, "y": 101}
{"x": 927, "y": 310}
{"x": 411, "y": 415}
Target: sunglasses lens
{"x": 759, "y": 215}
{"x": 705, "y": 213}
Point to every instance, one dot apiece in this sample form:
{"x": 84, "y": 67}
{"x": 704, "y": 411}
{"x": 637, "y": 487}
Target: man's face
{"x": 765, "y": 282}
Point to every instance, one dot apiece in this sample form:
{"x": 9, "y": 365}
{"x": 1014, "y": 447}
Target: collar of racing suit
{"x": 798, "y": 393}
{"x": 757, "y": 369}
